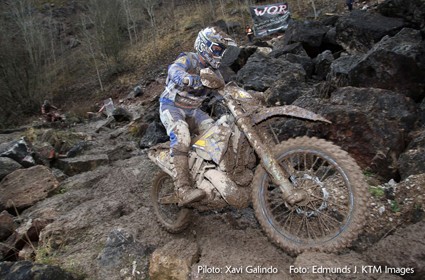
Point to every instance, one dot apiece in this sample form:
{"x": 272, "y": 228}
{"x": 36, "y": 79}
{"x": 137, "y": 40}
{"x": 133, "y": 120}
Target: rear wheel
{"x": 172, "y": 218}
{"x": 333, "y": 212}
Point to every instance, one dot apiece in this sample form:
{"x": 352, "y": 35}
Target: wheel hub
{"x": 309, "y": 184}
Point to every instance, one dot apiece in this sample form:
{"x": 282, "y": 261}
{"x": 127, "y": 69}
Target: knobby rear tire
{"x": 171, "y": 217}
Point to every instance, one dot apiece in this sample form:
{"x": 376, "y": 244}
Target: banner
{"x": 270, "y": 18}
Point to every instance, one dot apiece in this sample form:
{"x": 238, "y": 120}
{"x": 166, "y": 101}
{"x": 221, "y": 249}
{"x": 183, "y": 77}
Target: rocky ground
{"x": 90, "y": 213}
{"x": 100, "y": 225}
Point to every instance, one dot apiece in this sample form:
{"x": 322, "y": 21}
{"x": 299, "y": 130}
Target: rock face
{"x": 25, "y": 187}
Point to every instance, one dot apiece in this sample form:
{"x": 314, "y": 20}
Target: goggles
{"x": 216, "y": 49}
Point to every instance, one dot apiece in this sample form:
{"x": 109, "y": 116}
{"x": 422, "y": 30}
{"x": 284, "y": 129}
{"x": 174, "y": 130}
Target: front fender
{"x": 288, "y": 110}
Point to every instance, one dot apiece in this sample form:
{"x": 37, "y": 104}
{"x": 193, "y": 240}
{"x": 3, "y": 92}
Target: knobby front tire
{"x": 334, "y": 212}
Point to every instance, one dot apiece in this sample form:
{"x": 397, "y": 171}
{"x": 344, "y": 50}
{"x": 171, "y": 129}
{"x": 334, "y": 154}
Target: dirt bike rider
{"x": 182, "y": 98}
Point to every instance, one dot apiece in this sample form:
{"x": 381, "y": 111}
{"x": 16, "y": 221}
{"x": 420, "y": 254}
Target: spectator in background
{"x": 49, "y": 111}
{"x": 349, "y": 4}
{"x": 249, "y": 33}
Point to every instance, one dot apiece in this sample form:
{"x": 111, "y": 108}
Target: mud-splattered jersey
{"x": 176, "y": 92}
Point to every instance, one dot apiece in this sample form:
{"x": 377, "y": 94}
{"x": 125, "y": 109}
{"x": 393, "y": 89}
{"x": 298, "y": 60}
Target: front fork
{"x": 270, "y": 164}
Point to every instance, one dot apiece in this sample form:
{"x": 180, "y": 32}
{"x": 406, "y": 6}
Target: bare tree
{"x": 149, "y": 6}
{"x": 90, "y": 42}
{"x": 107, "y": 20}
{"x": 25, "y": 54}
{"x": 128, "y": 7}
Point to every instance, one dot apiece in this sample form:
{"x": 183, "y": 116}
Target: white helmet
{"x": 211, "y": 44}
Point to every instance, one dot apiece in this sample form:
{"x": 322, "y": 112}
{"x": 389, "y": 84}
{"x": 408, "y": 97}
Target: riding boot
{"x": 182, "y": 182}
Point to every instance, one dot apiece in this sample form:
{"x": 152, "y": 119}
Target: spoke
{"x": 274, "y": 208}
{"x": 324, "y": 224}
{"x": 329, "y": 221}
{"x": 298, "y": 161}
{"x": 320, "y": 226}
{"x": 326, "y": 173}
{"x": 282, "y": 215}
{"x": 323, "y": 213}
{"x": 330, "y": 202}
{"x": 312, "y": 166}
{"x": 289, "y": 219}
{"x": 301, "y": 224}
{"x": 322, "y": 164}
{"x": 308, "y": 230}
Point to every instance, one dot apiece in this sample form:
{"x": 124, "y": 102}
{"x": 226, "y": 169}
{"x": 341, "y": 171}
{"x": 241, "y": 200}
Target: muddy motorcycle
{"x": 307, "y": 193}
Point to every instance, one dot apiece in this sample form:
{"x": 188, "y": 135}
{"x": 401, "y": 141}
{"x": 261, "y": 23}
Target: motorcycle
{"x": 307, "y": 193}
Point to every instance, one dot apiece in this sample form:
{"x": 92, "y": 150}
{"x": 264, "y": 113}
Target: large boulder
{"x": 396, "y": 63}
{"x": 358, "y": 31}
{"x": 281, "y": 49}
{"x": 155, "y": 133}
{"x": 7, "y": 166}
{"x": 310, "y": 34}
{"x": 123, "y": 256}
{"x": 323, "y": 64}
{"x": 19, "y": 150}
{"x": 286, "y": 91}
{"x": 24, "y": 187}
{"x": 412, "y": 11}
{"x": 262, "y": 71}
{"x": 174, "y": 260}
{"x": 26, "y": 270}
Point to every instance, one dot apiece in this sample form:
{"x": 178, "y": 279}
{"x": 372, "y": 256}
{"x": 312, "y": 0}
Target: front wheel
{"x": 172, "y": 218}
{"x": 333, "y": 212}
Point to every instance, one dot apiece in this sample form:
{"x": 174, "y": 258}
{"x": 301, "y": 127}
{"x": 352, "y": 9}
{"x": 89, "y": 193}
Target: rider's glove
{"x": 193, "y": 81}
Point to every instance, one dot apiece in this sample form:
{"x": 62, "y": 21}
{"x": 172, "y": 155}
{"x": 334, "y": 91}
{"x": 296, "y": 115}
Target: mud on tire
{"x": 172, "y": 218}
{"x": 333, "y": 213}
